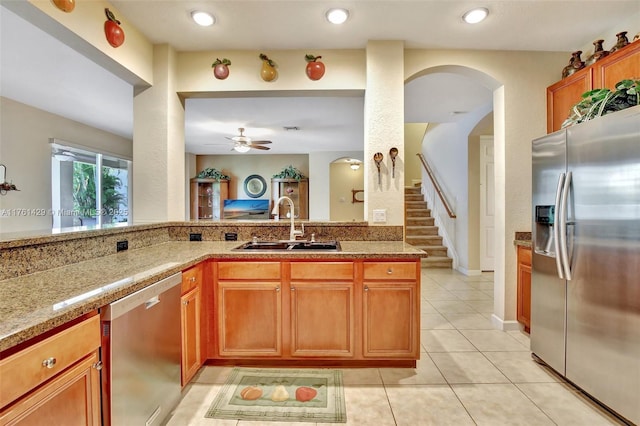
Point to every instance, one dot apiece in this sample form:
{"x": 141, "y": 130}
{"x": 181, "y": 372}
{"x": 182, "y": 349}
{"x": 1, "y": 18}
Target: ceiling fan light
{"x": 241, "y": 148}
{"x": 203, "y": 19}
{"x": 475, "y": 16}
{"x": 337, "y": 16}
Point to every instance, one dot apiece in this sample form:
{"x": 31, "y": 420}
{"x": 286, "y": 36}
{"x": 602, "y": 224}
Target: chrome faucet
{"x": 293, "y": 232}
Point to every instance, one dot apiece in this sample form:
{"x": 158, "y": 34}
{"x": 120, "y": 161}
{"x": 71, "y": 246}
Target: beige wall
{"x": 343, "y": 181}
{"x": 413, "y": 136}
{"x": 24, "y": 144}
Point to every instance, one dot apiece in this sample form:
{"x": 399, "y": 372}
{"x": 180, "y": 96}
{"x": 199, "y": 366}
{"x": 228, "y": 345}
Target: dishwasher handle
{"x": 147, "y": 297}
{"x": 152, "y": 302}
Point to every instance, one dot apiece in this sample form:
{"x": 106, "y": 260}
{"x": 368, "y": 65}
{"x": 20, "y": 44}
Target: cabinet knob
{"x": 97, "y": 365}
{"x": 366, "y": 288}
{"x": 192, "y": 279}
{"x": 49, "y": 362}
{"x": 185, "y": 302}
{"x": 390, "y": 271}
{"x": 277, "y": 289}
{"x": 293, "y": 288}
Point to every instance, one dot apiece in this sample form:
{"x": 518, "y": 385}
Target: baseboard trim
{"x": 469, "y": 272}
{"x": 500, "y": 324}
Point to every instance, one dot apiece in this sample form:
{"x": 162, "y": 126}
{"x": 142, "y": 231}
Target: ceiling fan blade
{"x": 261, "y": 142}
{"x": 264, "y": 148}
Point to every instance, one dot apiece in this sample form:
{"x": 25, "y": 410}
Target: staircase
{"x": 420, "y": 230}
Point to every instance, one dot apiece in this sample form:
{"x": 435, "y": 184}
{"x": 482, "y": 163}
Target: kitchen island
{"x": 35, "y": 303}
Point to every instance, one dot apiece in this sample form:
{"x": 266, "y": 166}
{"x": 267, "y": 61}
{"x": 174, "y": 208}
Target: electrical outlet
{"x": 122, "y": 245}
{"x": 230, "y": 236}
{"x": 195, "y": 237}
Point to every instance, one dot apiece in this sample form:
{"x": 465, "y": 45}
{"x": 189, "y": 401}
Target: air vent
{"x": 291, "y": 128}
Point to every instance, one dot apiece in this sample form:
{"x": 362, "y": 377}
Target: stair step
{"x": 419, "y": 221}
{"x": 415, "y": 204}
{"x": 421, "y": 230}
{"x": 424, "y": 240}
{"x": 436, "y": 262}
{"x": 413, "y": 197}
{"x": 417, "y": 212}
{"x": 433, "y": 251}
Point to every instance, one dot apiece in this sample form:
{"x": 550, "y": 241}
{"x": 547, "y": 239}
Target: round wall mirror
{"x": 255, "y": 186}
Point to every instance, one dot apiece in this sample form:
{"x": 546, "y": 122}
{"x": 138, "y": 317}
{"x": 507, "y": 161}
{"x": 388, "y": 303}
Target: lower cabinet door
{"x": 390, "y": 319}
{"x": 71, "y": 398}
{"x": 322, "y": 319}
{"x": 190, "y": 321}
{"x": 249, "y": 319}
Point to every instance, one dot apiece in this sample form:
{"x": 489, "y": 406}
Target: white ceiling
{"x": 38, "y": 70}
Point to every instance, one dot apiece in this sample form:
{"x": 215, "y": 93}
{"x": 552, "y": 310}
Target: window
{"x": 82, "y": 196}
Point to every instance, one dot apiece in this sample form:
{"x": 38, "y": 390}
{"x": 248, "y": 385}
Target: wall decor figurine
{"x": 268, "y": 71}
{"x": 112, "y": 29}
{"x": 65, "y": 5}
{"x": 575, "y": 64}
{"x": 377, "y": 157}
{"x": 598, "y": 52}
{"x": 621, "y": 41}
{"x": 315, "y": 68}
{"x": 393, "y": 153}
{"x": 221, "y": 68}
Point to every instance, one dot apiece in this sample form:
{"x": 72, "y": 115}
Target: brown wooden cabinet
{"x": 561, "y": 96}
{"x": 54, "y": 381}
{"x": 207, "y": 198}
{"x": 249, "y": 305}
{"x": 297, "y": 190}
{"x": 391, "y": 310}
{"x": 524, "y": 287}
{"x": 191, "y": 320}
{"x": 322, "y": 309}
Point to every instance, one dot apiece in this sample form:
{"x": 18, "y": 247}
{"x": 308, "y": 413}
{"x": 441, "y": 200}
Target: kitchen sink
{"x": 290, "y": 245}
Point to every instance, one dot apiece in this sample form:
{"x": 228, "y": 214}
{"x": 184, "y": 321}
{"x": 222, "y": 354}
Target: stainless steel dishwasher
{"x": 141, "y": 353}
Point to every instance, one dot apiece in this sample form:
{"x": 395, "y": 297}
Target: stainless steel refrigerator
{"x": 585, "y": 289}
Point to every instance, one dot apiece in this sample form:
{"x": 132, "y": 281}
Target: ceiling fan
{"x": 244, "y": 143}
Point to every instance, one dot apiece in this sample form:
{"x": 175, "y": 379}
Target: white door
{"x": 487, "y": 204}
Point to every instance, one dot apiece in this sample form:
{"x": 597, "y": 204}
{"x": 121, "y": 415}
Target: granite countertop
{"x": 36, "y": 303}
{"x": 522, "y": 239}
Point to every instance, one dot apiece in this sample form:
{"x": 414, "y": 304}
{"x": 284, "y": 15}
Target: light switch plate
{"x": 380, "y": 215}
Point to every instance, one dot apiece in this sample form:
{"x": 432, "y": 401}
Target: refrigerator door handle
{"x": 556, "y": 226}
{"x": 564, "y": 251}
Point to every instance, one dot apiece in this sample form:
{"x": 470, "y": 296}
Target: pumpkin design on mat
{"x": 268, "y": 71}
{"x": 251, "y": 393}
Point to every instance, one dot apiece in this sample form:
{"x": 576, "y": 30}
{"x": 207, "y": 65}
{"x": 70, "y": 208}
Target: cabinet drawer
{"x": 322, "y": 271}
{"x": 248, "y": 270}
{"x": 390, "y": 271}
{"x": 524, "y": 255}
{"x": 190, "y": 278}
{"x": 26, "y": 369}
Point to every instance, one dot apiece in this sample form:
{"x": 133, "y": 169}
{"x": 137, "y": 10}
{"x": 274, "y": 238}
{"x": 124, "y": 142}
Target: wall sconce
{"x": 354, "y": 166}
{"x": 4, "y": 185}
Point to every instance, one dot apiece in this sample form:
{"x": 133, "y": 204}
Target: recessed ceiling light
{"x": 202, "y": 18}
{"x": 475, "y": 15}
{"x": 337, "y": 16}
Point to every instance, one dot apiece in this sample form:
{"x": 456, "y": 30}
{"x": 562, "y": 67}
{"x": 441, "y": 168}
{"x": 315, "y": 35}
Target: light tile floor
{"x": 469, "y": 373}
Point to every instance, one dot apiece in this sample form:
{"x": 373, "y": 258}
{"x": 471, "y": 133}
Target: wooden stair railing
{"x": 432, "y": 177}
